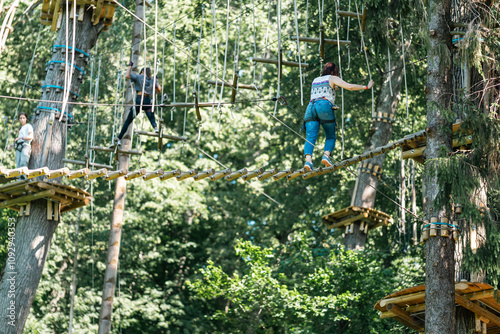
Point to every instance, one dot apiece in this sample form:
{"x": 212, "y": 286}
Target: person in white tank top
{"x": 320, "y": 112}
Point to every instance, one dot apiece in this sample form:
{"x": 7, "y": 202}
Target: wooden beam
{"x": 416, "y": 323}
{"x": 171, "y": 174}
{"x": 155, "y": 134}
{"x": 471, "y": 306}
{"x": 267, "y": 174}
{"x": 253, "y": 174}
{"x": 188, "y": 174}
{"x": 235, "y": 175}
{"x": 10, "y": 173}
{"x": 57, "y": 173}
{"x": 240, "y": 86}
{"x": 152, "y": 175}
{"x": 115, "y": 174}
{"x": 78, "y": 173}
{"x": 348, "y": 221}
{"x": 135, "y": 174}
{"x": 96, "y": 173}
{"x": 403, "y": 299}
{"x": 27, "y": 198}
{"x": 196, "y": 106}
{"x": 204, "y": 174}
{"x": 82, "y": 163}
{"x": 295, "y": 174}
{"x": 283, "y": 174}
{"x": 220, "y": 174}
{"x": 275, "y": 62}
{"x": 322, "y": 42}
{"x": 37, "y": 172}
{"x": 234, "y": 86}
{"x": 112, "y": 150}
{"x": 60, "y": 190}
{"x": 75, "y": 205}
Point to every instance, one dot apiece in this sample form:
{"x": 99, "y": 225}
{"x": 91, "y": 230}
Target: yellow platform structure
{"x": 103, "y": 11}
{"x": 415, "y": 149}
{"x": 369, "y": 218}
{"x": 408, "y": 306}
{"x": 18, "y": 196}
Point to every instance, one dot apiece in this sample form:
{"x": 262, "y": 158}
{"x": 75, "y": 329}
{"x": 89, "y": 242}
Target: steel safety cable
{"x": 337, "y": 23}
{"x": 225, "y": 63}
{"x": 307, "y": 34}
{"x": 404, "y": 67}
{"x": 89, "y": 113}
{"x": 162, "y": 75}
{"x": 254, "y": 40}
{"x": 236, "y": 70}
{"x": 266, "y": 38}
{"x": 363, "y": 45}
{"x": 347, "y": 38}
{"x": 187, "y": 93}
{"x": 214, "y": 24}
{"x": 298, "y": 50}
{"x": 173, "y": 88}
{"x": 389, "y": 59}
{"x": 68, "y": 80}
{"x": 221, "y": 164}
{"x": 94, "y": 109}
{"x": 278, "y": 22}
{"x": 197, "y": 77}
{"x": 155, "y": 66}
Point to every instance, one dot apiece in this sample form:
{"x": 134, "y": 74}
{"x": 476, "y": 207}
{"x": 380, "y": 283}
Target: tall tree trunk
{"x": 440, "y": 263}
{"x": 364, "y": 192}
{"x": 34, "y": 233}
{"x": 115, "y": 234}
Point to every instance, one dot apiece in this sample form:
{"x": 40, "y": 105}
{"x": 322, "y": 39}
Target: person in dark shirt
{"x": 143, "y": 84}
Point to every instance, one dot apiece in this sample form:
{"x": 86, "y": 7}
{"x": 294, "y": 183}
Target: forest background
{"x": 228, "y": 257}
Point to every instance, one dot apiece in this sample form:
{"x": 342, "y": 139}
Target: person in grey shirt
{"x": 143, "y": 84}
{"x": 22, "y": 143}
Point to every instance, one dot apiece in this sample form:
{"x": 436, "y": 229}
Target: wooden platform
{"x": 103, "y": 11}
{"x": 370, "y": 217}
{"x": 408, "y": 306}
{"x": 18, "y": 195}
{"x": 415, "y": 149}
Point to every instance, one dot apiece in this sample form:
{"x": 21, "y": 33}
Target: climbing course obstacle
{"x": 415, "y": 149}
{"x": 408, "y": 306}
{"x": 369, "y": 218}
{"x": 235, "y": 85}
{"x": 279, "y": 62}
{"x": 103, "y": 11}
{"x": 60, "y": 198}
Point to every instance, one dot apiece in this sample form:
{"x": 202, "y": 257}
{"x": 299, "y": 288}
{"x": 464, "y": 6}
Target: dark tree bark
{"x": 380, "y": 134}
{"x": 115, "y": 234}
{"x": 34, "y": 233}
{"x": 439, "y": 251}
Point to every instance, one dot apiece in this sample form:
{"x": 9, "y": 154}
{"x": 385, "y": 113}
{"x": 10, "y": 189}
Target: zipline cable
{"x": 366, "y": 57}
{"x": 214, "y": 32}
{"x": 404, "y": 68}
{"x": 389, "y": 58}
{"x": 225, "y": 63}
{"x": 298, "y": 50}
{"x": 337, "y": 23}
{"x": 278, "y": 22}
